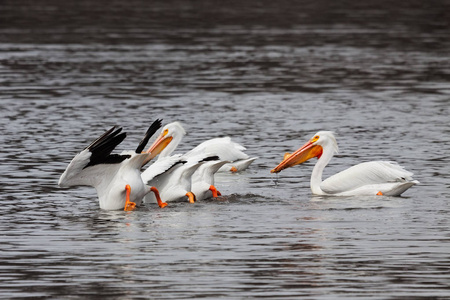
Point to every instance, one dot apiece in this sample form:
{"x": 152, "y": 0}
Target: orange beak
{"x": 306, "y": 152}
{"x": 159, "y": 145}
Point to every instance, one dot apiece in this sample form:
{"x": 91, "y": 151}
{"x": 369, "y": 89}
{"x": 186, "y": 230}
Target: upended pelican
{"x": 192, "y": 174}
{"x": 202, "y": 182}
{"x": 117, "y": 178}
{"x": 224, "y": 148}
{"x": 369, "y": 178}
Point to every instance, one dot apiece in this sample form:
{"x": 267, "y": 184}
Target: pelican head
{"x": 168, "y": 140}
{"x": 313, "y": 148}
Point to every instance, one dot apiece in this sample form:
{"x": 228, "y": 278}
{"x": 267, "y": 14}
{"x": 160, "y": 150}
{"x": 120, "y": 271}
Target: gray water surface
{"x": 267, "y": 75}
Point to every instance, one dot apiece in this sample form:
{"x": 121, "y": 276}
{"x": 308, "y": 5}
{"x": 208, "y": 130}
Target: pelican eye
{"x": 314, "y": 139}
{"x": 165, "y": 132}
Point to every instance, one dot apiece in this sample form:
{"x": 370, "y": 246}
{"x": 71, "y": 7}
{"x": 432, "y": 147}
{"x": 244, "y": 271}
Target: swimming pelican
{"x": 369, "y": 178}
{"x": 224, "y": 148}
{"x": 117, "y": 178}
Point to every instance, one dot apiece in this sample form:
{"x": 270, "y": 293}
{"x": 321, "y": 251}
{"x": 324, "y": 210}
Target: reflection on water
{"x": 269, "y": 76}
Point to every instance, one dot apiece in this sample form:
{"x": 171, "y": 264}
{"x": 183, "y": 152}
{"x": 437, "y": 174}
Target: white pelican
{"x": 224, "y": 148}
{"x": 117, "y": 178}
{"x": 152, "y": 176}
{"x": 203, "y": 185}
{"x": 369, "y": 178}
{"x": 171, "y": 176}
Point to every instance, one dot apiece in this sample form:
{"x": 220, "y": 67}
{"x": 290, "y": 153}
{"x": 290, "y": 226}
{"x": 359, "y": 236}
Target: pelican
{"x": 171, "y": 177}
{"x": 152, "y": 176}
{"x": 203, "y": 185}
{"x": 224, "y": 148}
{"x": 116, "y": 177}
{"x": 369, "y": 178}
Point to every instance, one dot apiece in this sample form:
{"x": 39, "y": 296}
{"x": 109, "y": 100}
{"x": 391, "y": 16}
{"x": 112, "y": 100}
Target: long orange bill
{"x": 306, "y": 152}
{"x": 129, "y": 206}
{"x": 191, "y": 197}
{"x": 159, "y": 145}
{"x": 214, "y": 191}
{"x": 158, "y": 198}
{"x": 161, "y": 142}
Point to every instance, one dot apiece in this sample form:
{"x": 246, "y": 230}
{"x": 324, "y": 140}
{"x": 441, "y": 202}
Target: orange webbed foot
{"x": 129, "y": 206}
{"x": 158, "y": 198}
{"x": 214, "y": 191}
{"x": 191, "y": 197}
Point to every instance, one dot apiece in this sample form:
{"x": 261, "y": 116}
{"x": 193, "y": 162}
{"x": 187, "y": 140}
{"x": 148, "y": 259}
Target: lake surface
{"x": 268, "y": 74}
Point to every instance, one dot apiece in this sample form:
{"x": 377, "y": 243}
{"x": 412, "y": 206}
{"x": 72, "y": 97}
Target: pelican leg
{"x": 128, "y": 204}
{"x": 158, "y": 198}
{"x": 191, "y": 197}
{"x": 214, "y": 191}
{"x": 233, "y": 169}
{"x": 379, "y": 193}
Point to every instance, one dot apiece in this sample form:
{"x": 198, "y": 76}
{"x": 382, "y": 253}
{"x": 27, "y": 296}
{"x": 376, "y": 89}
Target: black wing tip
{"x": 109, "y": 160}
{"x": 154, "y": 127}
{"x": 158, "y": 122}
{"x": 210, "y": 158}
{"x": 150, "y": 131}
{"x": 102, "y": 147}
{"x": 179, "y": 162}
{"x": 103, "y": 136}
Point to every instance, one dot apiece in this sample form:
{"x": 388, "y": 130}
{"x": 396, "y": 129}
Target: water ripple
{"x": 377, "y": 77}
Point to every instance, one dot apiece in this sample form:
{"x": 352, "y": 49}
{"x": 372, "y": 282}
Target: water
{"x": 268, "y": 75}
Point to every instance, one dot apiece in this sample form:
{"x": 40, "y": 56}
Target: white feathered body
{"x": 172, "y": 184}
{"x": 368, "y": 178}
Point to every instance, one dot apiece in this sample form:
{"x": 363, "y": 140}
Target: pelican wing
{"x": 78, "y": 173}
{"x": 222, "y": 147}
{"x": 95, "y": 163}
{"x": 207, "y": 170}
{"x": 374, "y": 172}
{"x": 238, "y": 165}
{"x": 161, "y": 166}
